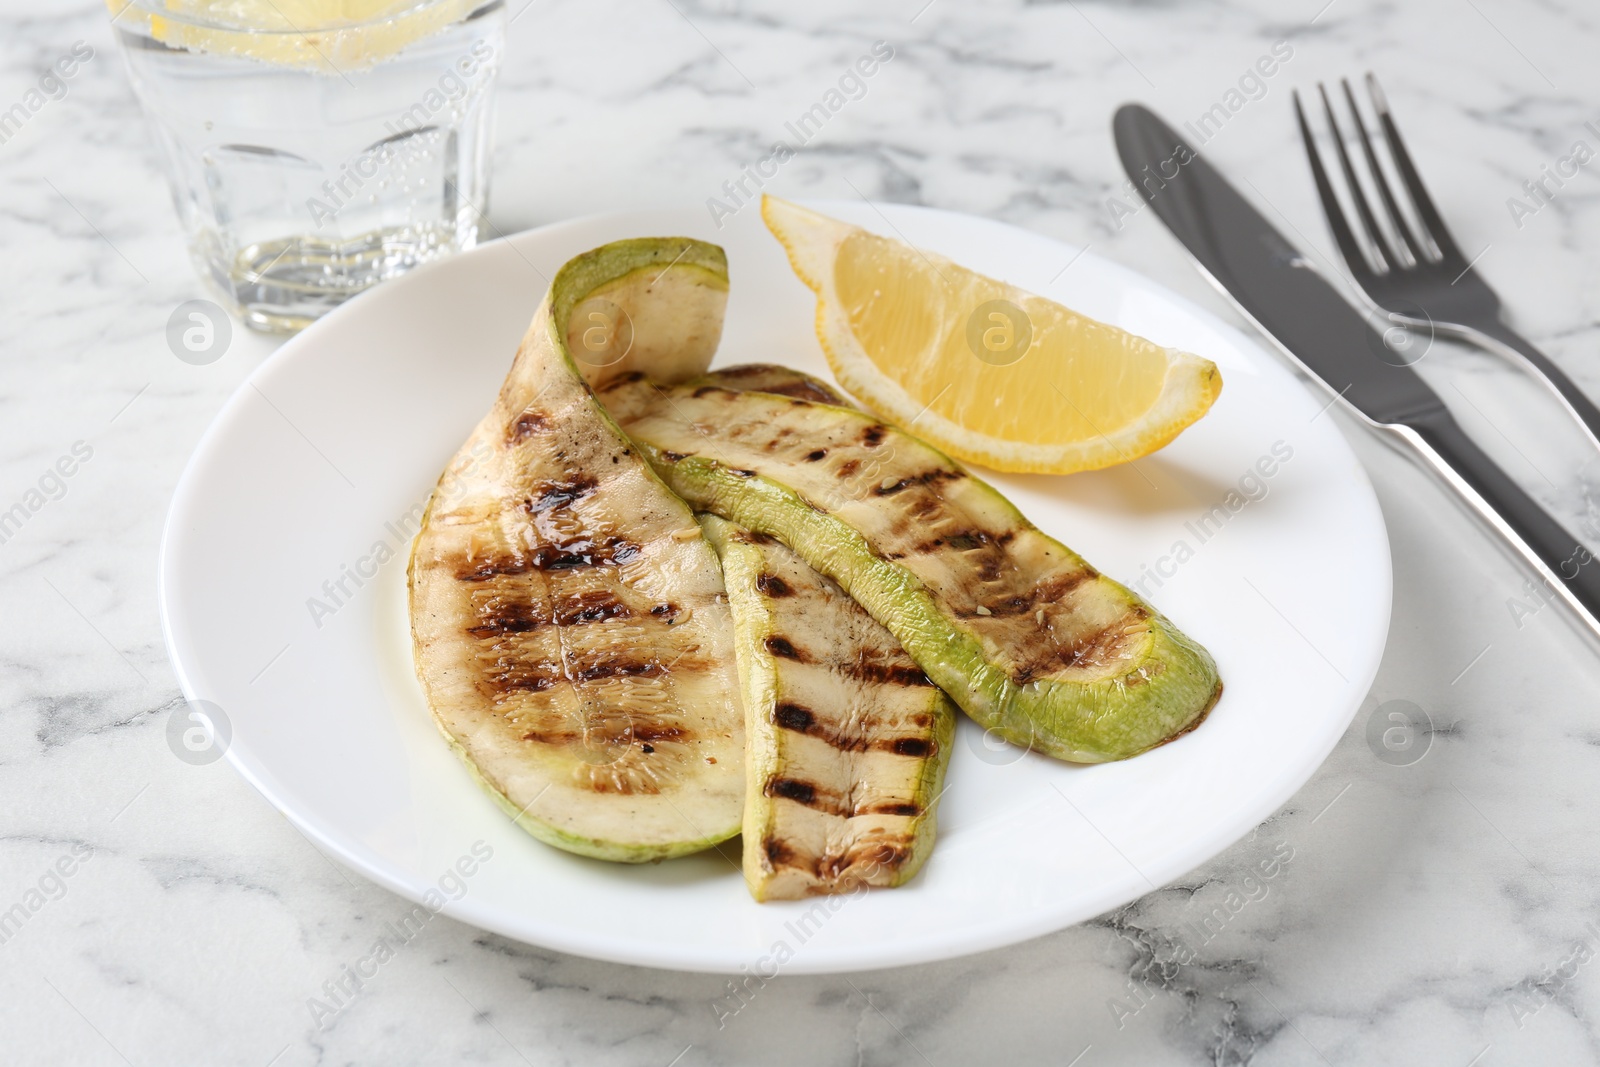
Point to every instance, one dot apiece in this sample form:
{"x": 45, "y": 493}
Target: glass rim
{"x": 209, "y": 21}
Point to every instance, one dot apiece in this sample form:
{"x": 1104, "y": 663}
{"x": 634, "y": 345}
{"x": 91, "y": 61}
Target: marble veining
{"x": 1441, "y": 912}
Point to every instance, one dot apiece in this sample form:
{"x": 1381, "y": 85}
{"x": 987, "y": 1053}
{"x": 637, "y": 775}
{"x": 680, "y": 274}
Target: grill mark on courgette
{"x": 625, "y": 668}
{"x": 810, "y": 795}
{"x": 1098, "y": 646}
{"x": 597, "y": 605}
{"x": 794, "y": 717}
{"x": 504, "y": 672}
{"x": 1088, "y": 650}
{"x": 816, "y": 454}
{"x": 484, "y": 569}
{"x": 907, "y": 810}
{"x": 928, "y": 477}
{"x": 503, "y": 609}
{"x": 783, "y": 648}
{"x": 778, "y": 854}
{"x": 982, "y": 551}
{"x": 549, "y": 495}
{"x": 886, "y": 854}
{"x": 498, "y": 615}
{"x": 1057, "y": 588}
{"x": 792, "y": 789}
{"x": 583, "y": 552}
{"x": 502, "y": 675}
{"x": 802, "y": 720}
{"x": 773, "y": 586}
{"x": 903, "y": 674}
{"x": 578, "y": 552}
{"x": 527, "y": 424}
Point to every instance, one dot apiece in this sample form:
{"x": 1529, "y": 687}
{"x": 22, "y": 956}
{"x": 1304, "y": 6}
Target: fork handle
{"x": 1501, "y": 339}
{"x": 1568, "y": 569}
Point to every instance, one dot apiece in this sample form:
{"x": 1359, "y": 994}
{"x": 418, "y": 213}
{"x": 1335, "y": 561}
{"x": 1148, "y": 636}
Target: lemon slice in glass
{"x": 333, "y": 36}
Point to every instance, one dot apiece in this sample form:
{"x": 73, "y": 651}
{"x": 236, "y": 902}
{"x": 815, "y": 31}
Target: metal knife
{"x": 1279, "y": 290}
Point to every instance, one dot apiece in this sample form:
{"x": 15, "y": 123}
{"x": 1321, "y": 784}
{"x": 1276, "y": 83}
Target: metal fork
{"x": 1424, "y": 282}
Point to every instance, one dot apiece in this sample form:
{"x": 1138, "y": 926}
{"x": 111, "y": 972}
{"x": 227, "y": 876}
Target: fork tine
{"x": 1369, "y": 221}
{"x": 1431, "y": 221}
{"x": 1355, "y": 256}
{"x": 1378, "y": 179}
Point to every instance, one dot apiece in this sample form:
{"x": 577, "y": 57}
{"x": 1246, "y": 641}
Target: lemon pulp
{"x": 1055, "y": 377}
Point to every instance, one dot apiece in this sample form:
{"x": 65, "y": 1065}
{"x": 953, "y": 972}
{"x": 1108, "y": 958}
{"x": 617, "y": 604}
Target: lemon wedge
{"x": 988, "y": 372}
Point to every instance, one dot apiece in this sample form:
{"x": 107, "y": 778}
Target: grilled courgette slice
{"x": 569, "y": 620}
{"x": 846, "y": 739}
{"x": 1026, "y": 636}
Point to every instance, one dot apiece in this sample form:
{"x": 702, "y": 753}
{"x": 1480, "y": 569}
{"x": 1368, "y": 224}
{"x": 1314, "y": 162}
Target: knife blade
{"x": 1280, "y": 290}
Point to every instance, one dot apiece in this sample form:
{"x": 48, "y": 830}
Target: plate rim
{"x": 970, "y": 939}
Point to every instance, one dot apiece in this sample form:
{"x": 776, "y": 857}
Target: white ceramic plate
{"x": 305, "y": 481}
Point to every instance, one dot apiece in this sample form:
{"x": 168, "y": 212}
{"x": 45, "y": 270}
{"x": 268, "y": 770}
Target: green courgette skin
{"x": 1029, "y": 640}
{"x": 846, "y": 739}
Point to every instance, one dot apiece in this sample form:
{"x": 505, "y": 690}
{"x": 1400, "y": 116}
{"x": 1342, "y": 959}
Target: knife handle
{"x": 1566, "y": 565}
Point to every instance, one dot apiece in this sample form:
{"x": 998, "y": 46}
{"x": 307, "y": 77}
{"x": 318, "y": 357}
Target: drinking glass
{"x": 316, "y": 147}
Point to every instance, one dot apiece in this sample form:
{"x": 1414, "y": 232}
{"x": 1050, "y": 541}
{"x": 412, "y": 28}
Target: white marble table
{"x": 1444, "y": 912}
